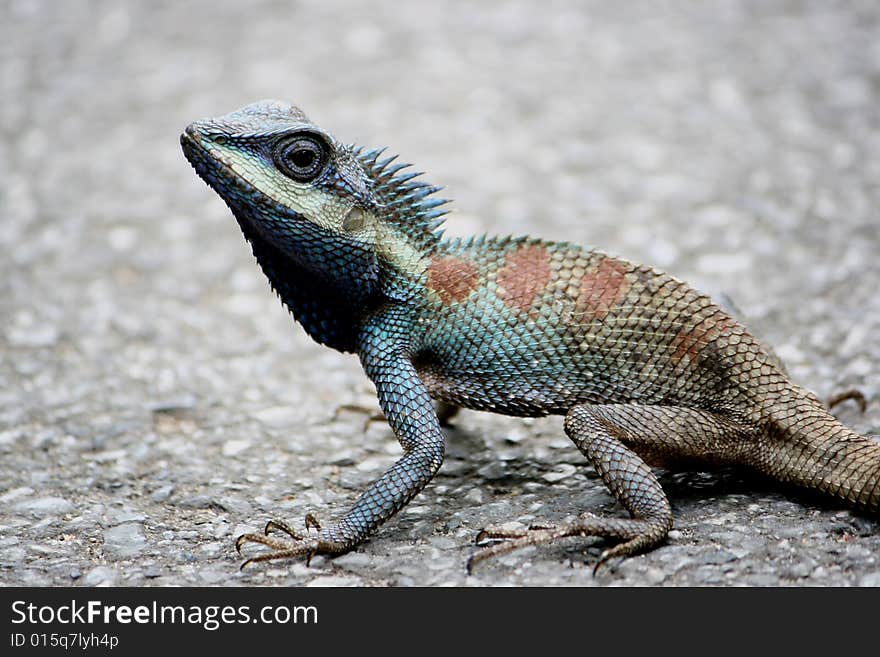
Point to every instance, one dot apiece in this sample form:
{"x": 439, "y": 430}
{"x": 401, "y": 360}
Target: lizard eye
{"x": 301, "y": 157}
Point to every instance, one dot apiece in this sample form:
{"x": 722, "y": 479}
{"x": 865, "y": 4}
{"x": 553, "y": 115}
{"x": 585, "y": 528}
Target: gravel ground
{"x": 156, "y": 400}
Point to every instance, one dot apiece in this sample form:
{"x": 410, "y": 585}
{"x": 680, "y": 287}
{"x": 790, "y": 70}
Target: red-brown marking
{"x": 603, "y": 288}
{"x": 452, "y": 278}
{"x": 691, "y": 341}
{"x": 524, "y": 275}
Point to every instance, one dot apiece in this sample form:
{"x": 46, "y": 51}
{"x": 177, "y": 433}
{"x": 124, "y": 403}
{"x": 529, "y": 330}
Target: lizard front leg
{"x": 405, "y": 402}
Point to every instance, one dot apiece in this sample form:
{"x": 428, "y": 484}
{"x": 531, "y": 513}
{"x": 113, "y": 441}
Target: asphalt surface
{"x": 156, "y": 400}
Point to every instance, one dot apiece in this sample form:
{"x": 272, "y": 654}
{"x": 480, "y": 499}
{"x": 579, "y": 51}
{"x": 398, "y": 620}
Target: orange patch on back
{"x": 452, "y": 278}
{"x": 524, "y": 275}
{"x": 690, "y": 341}
{"x": 603, "y": 287}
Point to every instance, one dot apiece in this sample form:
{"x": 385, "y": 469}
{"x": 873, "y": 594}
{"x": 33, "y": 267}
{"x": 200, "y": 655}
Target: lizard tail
{"x": 809, "y": 447}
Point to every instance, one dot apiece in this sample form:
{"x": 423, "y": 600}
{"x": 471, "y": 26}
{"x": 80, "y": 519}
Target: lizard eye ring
{"x": 302, "y": 157}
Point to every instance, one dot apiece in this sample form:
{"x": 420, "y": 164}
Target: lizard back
{"x": 530, "y": 327}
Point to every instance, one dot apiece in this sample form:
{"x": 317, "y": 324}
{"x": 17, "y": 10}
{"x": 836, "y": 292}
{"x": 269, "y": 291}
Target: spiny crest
{"x": 406, "y": 200}
{"x": 494, "y": 243}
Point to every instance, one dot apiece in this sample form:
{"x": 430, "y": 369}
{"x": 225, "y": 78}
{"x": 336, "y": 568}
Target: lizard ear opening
{"x": 354, "y": 221}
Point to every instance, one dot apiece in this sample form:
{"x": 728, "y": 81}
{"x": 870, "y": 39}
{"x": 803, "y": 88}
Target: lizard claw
{"x": 282, "y": 526}
{"x": 608, "y": 560}
{"x": 312, "y": 521}
{"x": 639, "y": 534}
{"x": 372, "y": 415}
{"x": 500, "y": 532}
{"x": 297, "y": 545}
{"x": 509, "y": 538}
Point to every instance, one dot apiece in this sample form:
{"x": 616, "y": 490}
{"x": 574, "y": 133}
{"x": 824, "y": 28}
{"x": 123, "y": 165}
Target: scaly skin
{"x": 647, "y": 371}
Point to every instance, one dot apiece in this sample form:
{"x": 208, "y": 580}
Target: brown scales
{"x": 524, "y": 276}
{"x": 602, "y": 288}
{"x": 692, "y": 340}
{"x": 452, "y": 278}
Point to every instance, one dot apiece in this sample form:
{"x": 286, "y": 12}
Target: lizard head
{"x": 333, "y": 209}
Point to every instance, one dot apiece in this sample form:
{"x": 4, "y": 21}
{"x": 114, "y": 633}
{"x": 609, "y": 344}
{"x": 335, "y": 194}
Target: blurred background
{"x": 156, "y": 399}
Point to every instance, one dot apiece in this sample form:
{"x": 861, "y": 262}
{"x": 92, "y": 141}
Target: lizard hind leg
{"x": 612, "y": 437}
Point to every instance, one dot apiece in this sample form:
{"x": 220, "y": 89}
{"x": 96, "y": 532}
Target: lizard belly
{"x": 485, "y": 391}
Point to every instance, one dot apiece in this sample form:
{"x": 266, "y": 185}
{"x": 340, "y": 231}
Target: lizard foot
{"x": 445, "y": 413}
{"x": 638, "y": 534}
{"x": 371, "y": 414}
{"x": 296, "y": 546}
{"x": 854, "y": 393}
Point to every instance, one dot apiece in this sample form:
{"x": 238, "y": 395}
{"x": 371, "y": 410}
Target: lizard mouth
{"x": 247, "y": 202}
{"x": 211, "y": 169}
